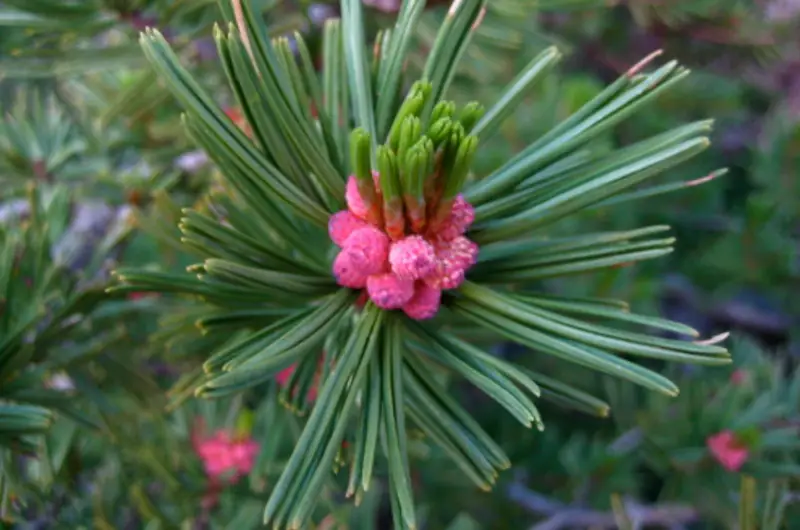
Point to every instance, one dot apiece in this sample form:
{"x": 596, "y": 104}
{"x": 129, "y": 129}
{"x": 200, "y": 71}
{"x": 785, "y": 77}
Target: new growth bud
{"x": 360, "y": 155}
{"x": 440, "y": 131}
{"x": 410, "y": 133}
{"x": 418, "y": 166}
{"x": 470, "y": 115}
{"x": 392, "y": 193}
{"x": 402, "y": 238}
{"x": 443, "y": 109}
{"x": 412, "y": 106}
{"x": 455, "y": 177}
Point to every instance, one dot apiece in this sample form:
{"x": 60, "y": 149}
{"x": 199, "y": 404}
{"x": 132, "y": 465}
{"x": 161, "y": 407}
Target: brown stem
{"x": 559, "y": 515}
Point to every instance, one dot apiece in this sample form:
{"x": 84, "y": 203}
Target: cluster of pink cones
{"x": 407, "y": 272}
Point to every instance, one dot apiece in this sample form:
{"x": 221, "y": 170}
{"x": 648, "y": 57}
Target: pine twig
{"x": 559, "y": 515}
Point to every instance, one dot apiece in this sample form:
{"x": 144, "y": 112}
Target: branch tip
{"x": 478, "y": 19}
{"x": 716, "y": 339}
{"x": 711, "y": 176}
{"x": 453, "y": 8}
{"x": 636, "y": 68}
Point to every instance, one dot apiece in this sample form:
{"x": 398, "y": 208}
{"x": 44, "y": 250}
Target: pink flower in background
{"x": 140, "y": 295}
{"x": 739, "y": 377}
{"x": 727, "y": 450}
{"x": 283, "y": 379}
{"x": 224, "y": 457}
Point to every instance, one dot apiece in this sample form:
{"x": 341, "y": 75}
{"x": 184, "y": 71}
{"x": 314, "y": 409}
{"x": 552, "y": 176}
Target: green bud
{"x": 409, "y": 171}
{"x": 470, "y": 115}
{"x": 427, "y": 144}
{"x": 392, "y": 193}
{"x": 440, "y": 130}
{"x": 424, "y": 88}
{"x": 418, "y": 162}
{"x": 451, "y": 145}
{"x": 410, "y": 132}
{"x": 443, "y": 109}
{"x": 360, "y": 158}
{"x": 390, "y": 178}
{"x": 360, "y": 154}
{"x": 461, "y": 166}
{"x": 457, "y": 133}
{"x": 411, "y": 106}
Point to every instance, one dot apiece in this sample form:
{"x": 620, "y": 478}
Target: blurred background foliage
{"x": 94, "y": 168}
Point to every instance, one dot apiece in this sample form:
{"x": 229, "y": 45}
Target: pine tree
{"x": 352, "y": 168}
{"x": 264, "y": 243}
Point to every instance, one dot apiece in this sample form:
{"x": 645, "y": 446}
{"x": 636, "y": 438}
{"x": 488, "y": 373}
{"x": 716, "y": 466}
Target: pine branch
{"x": 345, "y": 305}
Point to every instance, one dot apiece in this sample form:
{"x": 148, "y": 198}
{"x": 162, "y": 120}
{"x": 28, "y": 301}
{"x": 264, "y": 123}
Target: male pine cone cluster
{"x": 402, "y": 235}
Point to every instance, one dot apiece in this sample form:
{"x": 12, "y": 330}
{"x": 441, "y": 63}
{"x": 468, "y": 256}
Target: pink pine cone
{"x": 387, "y": 291}
{"x": 354, "y": 201}
{"x": 453, "y": 258}
{"x": 461, "y": 251}
{"x": 460, "y": 219}
{"x": 412, "y": 258}
{"x": 353, "y": 198}
{"x": 425, "y": 302}
{"x": 342, "y": 224}
{"x": 368, "y": 250}
{"x": 446, "y": 277}
{"x": 348, "y": 272}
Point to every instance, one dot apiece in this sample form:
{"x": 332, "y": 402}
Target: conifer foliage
{"x": 52, "y": 281}
{"x": 359, "y": 240}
